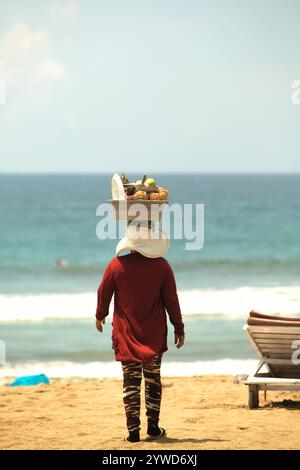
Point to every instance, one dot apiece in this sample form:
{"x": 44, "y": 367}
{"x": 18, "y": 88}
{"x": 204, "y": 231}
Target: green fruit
{"x": 150, "y": 182}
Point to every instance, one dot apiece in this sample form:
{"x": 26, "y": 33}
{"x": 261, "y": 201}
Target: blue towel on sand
{"x": 30, "y": 380}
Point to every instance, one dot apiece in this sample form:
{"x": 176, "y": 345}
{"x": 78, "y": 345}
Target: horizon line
{"x": 175, "y": 173}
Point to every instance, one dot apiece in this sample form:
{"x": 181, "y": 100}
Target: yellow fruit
{"x": 164, "y": 192}
{"x": 140, "y": 195}
{"x": 157, "y": 197}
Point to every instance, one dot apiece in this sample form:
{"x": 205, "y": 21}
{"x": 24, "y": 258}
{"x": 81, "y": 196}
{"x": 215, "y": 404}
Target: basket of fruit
{"x": 142, "y": 199}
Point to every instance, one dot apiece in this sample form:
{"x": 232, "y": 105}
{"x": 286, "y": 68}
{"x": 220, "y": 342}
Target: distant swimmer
{"x": 62, "y": 262}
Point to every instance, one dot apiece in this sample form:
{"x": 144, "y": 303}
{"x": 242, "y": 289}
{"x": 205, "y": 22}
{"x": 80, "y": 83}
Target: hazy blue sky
{"x": 149, "y": 85}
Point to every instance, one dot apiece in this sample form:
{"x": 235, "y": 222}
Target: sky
{"x": 149, "y": 86}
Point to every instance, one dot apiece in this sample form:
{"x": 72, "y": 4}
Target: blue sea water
{"x": 250, "y": 258}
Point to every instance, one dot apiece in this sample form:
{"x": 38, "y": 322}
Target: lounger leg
{"x": 253, "y": 397}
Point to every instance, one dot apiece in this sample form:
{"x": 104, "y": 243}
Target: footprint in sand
{"x": 167, "y": 385}
{"x": 191, "y": 420}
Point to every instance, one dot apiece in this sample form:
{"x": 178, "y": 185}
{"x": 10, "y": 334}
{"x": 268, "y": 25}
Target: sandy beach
{"x": 208, "y": 412}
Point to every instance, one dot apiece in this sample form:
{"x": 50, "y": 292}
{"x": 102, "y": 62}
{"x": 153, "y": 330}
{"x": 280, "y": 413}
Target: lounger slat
{"x": 295, "y": 372}
{"x": 275, "y": 348}
{"x": 287, "y": 357}
{"x": 292, "y": 372}
{"x": 274, "y": 341}
{"x": 281, "y": 347}
{"x": 286, "y": 375}
{"x": 277, "y": 351}
{"x": 287, "y": 365}
{"x": 276, "y": 336}
{"x": 271, "y": 330}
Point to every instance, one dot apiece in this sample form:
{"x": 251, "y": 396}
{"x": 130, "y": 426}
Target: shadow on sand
{"x": 289, "y": 404}
{"x": 170, "y": 440}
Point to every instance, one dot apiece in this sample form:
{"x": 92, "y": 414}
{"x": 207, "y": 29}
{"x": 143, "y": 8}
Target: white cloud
{"x": 65, "y": 11}
{"x": 19, "y": 42}
{"x": 51, "y": 70}
{"x": 26, "y": 57}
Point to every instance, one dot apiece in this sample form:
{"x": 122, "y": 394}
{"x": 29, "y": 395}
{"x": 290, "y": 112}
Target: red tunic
{"x": 144, "y": 289}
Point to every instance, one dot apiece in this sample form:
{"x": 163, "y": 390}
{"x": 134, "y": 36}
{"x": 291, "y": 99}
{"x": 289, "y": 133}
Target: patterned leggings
{"x": 132, "y": 377}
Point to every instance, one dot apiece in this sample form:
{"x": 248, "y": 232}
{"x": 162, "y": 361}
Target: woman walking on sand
{"x": 144, "y": 288}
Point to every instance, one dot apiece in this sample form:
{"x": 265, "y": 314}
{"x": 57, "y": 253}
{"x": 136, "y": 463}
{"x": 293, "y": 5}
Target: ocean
{"x": 250, "y": 259}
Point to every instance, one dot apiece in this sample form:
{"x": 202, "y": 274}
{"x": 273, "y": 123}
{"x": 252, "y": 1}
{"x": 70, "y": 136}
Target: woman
{"x": 144, "y": 288}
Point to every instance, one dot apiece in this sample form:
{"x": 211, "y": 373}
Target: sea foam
{"x": 113, "y": 369}
{"x": 232, "y": 303}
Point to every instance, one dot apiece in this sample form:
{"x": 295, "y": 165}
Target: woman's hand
{"x": 179, "y": 341}
{"x": 99, "y": 325}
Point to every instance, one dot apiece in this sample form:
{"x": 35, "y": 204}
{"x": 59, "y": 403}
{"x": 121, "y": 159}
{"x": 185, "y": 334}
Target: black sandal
{"x": 152, "y": 437}
{"x": 132, "y": 439}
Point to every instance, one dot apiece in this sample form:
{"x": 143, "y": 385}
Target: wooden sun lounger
{"x": 276, "y": 341}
